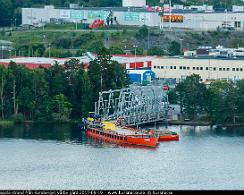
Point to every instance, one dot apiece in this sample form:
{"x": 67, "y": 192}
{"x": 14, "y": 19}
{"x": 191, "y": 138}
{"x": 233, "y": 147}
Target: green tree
{"x": 174, "y": 49}
{"x": 192, "y": 96}
{"x": 3, "y": 82}
{"x": 155, "y": 51}
{"x": 222, "y": 102}
{"x": 61, "y": 108}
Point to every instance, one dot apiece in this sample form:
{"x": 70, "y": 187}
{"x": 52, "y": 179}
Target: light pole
{"x": 49, "y": 50}
{"x": 135, "y": 46}
{"x": 170, "y": 14}
{"x": 181, "y": 48}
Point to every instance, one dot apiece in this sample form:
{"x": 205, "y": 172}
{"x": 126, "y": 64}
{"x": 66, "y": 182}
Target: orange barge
{"x": 123, "y": 136}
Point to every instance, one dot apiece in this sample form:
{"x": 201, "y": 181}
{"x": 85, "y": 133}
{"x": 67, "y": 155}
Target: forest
{"x": 59, "y": 93}
{"x": 220, "y": 102}
{"x": 11, "y": 9}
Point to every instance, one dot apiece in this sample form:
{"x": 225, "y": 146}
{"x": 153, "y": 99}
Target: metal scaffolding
{"x": 137, "y": 104}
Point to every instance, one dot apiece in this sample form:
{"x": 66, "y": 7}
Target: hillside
{"x": 65, "y": 41}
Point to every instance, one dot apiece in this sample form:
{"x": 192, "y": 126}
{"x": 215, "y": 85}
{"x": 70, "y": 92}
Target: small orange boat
{"x": 165, "y": 135}
{"x": 169, "y": 137}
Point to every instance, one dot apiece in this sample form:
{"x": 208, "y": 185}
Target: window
{"x": 223, "y": 69}
{"x": 197, "y": 68}
{"x": 237, "y": 69}
{"x": 241, "y": 69}
{"x": 180, "y": 67}
{"x": 220, "y": 69}
{"x": 214, "y": 68}
{"x": 174, "y": 67}
{"x": 193, "y": 68}
{"x": 188, "y": 68}
{"x": 227, "y": 69}
{"x": 155, "y": 67}
{"x": 233, "y": 69}
{"x": 184, "y": 67}
{"x": 162, "y": 67}
{"x": 158, "y": 67}
{"x": 206, "y": 68}
{"x": 201, "y": 68}
{"x": 171, "y": 67}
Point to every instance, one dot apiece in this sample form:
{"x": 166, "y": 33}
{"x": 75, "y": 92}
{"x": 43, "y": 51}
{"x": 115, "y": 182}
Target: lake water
{"x": 61, "y": 157}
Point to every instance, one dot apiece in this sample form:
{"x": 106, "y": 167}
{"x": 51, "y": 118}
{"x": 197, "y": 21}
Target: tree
{"x": 222, "y": 102}
{"x": 56, "y": 80}
{"x": 174, "y": 49}
{"x": 106, "y": 74}
{"x": 61, "y": 108}
{"x": 3, "y": 80}
{"x": 192, "y": 96}
{"x": 155, "y": 51}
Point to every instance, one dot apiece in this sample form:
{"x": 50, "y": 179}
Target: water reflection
{"x": 70, "y": 133}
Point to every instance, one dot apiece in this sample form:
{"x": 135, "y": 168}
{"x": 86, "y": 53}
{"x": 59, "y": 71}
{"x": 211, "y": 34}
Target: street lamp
{"x": 49, "y": 50}
{"x": 135, "y": 46}
{"x": 181, "y": 48}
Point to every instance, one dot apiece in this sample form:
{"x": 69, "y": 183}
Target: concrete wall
{"x": 208, "y": 69}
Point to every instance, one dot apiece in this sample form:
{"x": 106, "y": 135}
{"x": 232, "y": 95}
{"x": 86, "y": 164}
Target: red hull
{"x": 138, "y": 140}
{"x": 169, "y": 138}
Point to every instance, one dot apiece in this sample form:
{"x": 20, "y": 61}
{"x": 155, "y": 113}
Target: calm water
{"x": 60, "y": 157}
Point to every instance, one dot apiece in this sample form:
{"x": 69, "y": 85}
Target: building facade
{"x": 136, "y": 16}
{"x": 122, "y": 16}
{"x": 178, "y": 68}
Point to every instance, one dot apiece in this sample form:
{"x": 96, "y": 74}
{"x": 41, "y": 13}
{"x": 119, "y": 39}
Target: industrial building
{"x": 136, "y": 13}
{"x": 128, "y": 61}
{"x": 141, "y": 75}
{"x": 209, "y": 68}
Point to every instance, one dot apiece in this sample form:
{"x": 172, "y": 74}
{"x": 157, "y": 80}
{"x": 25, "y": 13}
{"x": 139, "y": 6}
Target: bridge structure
{"x": 138, "y": 105}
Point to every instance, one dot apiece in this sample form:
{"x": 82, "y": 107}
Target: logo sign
{"x": 98, "y": 14}
{"x": 131, "y": 16}
{"x": 77, "y": 14}
{"x": 65, "y": 14}
{"x": 173, "y": 18}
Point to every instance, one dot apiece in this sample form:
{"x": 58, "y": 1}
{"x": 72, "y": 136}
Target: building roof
{"x": 138, "y": 71}
{"x": 4, "y": 42}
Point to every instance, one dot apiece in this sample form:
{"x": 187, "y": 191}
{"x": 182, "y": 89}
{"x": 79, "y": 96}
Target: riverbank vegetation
{"x": 221, "y": 102}
{"x": 59, "y": 93}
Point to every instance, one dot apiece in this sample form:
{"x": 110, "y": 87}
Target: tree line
{"x": 220, "y": 102}
{"x": 59, "y": 93}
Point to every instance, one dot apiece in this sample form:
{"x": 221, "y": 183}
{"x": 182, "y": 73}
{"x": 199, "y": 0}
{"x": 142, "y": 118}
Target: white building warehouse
{"x": 209, "y": 68}
{"x": 137, "y": 16}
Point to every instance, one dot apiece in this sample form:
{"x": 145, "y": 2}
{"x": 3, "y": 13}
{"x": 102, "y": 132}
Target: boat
{"x": 165, "y": 135}
{"x": 113, "y": 133}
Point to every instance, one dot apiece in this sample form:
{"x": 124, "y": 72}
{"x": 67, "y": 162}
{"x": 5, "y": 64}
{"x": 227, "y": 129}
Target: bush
{"x": 18, "y": 118}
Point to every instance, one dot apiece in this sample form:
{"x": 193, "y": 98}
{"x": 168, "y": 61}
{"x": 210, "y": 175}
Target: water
{"x": 60, "y": 157}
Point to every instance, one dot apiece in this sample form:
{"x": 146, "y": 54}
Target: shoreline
{"x": 188, "y": 123}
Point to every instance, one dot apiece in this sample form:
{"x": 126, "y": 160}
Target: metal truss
{"x": 137, "y": 104}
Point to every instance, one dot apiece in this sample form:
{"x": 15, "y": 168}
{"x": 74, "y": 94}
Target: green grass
{"x": 6, "y": 123}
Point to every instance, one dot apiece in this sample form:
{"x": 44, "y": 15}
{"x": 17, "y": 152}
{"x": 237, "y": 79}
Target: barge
{"x": 113, "y": 133}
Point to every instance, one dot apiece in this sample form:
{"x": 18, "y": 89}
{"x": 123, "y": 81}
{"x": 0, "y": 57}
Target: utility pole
{"x": 170, "y": 15}
{"x": 135, "y": 46}
{"x": 49, "y": 50}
